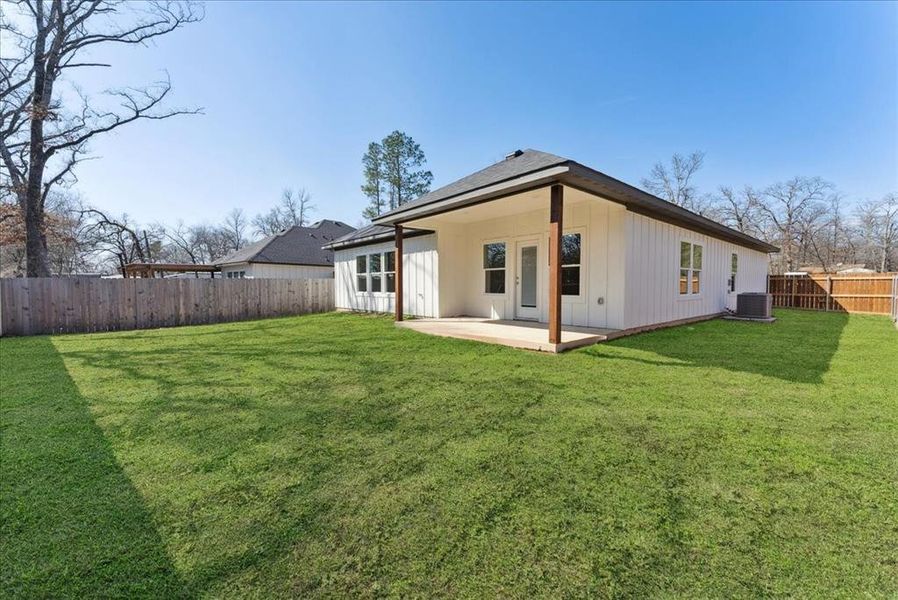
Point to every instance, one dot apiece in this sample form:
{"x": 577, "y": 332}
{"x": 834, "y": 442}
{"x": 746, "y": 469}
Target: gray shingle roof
{"x": 294, "y": 246}
{"x": 532, "y": 168}
{"x": 526, "y": 162}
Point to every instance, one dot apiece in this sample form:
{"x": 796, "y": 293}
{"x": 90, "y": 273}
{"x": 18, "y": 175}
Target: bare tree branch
{"x": 42, "y": 138}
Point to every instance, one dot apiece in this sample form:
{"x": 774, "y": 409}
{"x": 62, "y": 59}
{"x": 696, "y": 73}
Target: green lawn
{"x": 337, "y": 455}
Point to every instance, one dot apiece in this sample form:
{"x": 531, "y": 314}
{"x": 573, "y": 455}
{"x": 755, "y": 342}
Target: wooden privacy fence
{"x": 63, "y": 305}
{"x": 874, "y": 294}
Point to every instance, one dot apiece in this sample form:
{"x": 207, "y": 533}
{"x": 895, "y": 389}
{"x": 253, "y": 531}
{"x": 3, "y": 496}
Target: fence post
{"x": 792, "y": 297}
{"x": 829, "y": 291}
{"x": 895, "y": 299}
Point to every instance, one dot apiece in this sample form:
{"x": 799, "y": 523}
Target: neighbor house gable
{"x": 294, "y": 246}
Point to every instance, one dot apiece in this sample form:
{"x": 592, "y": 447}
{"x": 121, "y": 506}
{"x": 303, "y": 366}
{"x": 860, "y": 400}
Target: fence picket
{"x": 871, "y": 294}
{"x": 62, "y": 305}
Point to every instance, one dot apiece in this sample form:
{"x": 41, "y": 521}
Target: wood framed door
{"x": 527, "y": 280}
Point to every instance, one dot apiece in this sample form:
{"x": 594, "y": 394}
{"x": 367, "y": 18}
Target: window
{"x": 374, "y": 268}
{"x": 376, "y": 272}
{"x": 390, "y": 271}
{"x": 494, "y": 268}
{"x": 690, "y": 268}
{"x": 570, "y": 264}
{"x": 361, "y": 271}
{"x": 734, "y": 266}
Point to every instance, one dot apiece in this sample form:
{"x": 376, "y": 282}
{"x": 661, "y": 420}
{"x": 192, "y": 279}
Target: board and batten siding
{"x": 653, "y": 269}
{"x": 601, "y": 225}
{"x": 275, "y": 271}
{"x": 419, "y": 278}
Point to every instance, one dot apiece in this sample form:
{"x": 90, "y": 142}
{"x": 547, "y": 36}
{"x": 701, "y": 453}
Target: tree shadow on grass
{"x": 797, "y": 348}
{"x": 73, "y": 525}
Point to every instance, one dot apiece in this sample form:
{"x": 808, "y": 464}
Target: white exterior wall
{"x": 419, "y": 278}
{"x": 270, "y": 271}
{"x": 602, "y": 228}
{"x": 653, "y": 270}
{"x": 629, "y": 269}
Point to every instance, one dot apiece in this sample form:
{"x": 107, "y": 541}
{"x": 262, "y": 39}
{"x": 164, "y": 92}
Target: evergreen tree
{"x": 373, "y": 188}
{"x": 394, "y": 173}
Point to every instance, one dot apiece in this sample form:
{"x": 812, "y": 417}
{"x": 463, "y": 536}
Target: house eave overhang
{"x": 580, "y": 177}
{"x": 641, "y": 202}
{"x": 272, "y": 262}
{"x": 374, "y": 239}
{"x": 495, "y": 191}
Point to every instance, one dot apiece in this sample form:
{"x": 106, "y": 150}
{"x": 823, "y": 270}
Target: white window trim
{"x": 356, "y": 275}
{"x": 581, "y": 297}
{"x": 384, "y": 272}
{"x": 367, "y": 274}
{"x": 702, "y": 283}
{"x": 483, "y": 269}
{"x": 733, "y": 273}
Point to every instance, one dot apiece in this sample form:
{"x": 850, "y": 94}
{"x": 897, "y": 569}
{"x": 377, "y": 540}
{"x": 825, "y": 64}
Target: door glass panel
{"x": 528, "y": 276}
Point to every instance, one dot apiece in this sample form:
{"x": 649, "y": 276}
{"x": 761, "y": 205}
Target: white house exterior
{"x": 295, "y": 253}
{"x": 253, "y": 270}
{"x": 481, "y": 247}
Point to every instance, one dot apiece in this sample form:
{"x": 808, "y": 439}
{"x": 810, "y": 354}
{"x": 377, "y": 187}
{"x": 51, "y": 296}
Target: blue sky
{"x": 294, "y": 92}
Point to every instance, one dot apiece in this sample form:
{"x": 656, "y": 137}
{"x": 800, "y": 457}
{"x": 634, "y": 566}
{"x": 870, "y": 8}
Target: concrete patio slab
{"x": 516, "y": 334}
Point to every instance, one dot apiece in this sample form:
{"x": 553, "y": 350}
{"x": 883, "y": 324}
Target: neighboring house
{"x": 839, "y": 268}
{"x": 295, "y": 253}
{"x": 856, "y": 270}
{"x": 488, "y": 246}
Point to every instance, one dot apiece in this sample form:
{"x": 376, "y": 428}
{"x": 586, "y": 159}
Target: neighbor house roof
{"x": 838, "y": 268}
{"x": 294, "y": 246}
{"x": 531, "y": 169}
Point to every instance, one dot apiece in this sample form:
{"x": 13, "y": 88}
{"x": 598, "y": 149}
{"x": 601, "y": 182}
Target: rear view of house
{"x": 543, "y": 238}
{"x": 294, "y": 253}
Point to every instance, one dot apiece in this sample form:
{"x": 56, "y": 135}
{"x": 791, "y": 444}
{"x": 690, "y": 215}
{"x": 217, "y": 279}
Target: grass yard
{"x": 337, "y": 455}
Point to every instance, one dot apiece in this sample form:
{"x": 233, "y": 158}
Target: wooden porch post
{"x": 555, "y": 231}
{"x": 398, "y": 292}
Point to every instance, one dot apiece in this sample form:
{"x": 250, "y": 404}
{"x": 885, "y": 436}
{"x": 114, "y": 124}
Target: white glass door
{"x": 527, "y": 298}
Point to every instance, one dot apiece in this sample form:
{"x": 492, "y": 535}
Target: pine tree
{"x": 373, "y": 188}
{"x": 394, "y": 173}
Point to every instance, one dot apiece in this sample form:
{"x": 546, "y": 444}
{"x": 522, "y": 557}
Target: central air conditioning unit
{"x": 754, "y": 305}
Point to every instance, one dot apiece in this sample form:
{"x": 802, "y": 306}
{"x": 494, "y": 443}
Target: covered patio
{"x": 541, "y": 252}
{"x": 516, "y": 334}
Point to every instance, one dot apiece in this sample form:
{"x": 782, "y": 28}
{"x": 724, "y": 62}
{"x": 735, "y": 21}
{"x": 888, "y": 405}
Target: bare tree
{"x": 194, "y": 244}
{"x": 268, "y": 223}
{"x": 41, "y": 140}
{"x": 306, "y": 208}
{"x": 120, "y": 239}
{"x": 878, "y": 227}
{"x": 793, "y": 209}
{"x": 674, "y": 183}
{"x": 234, "y": 229}
{"x": 214, "y": 242}
{"x": 888, "y": 232}
{"x": 739, "y": 210}
{"x": 827, "y": 235}
{"x": 295, "y": 208}
{"x": 185, "y": 243}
